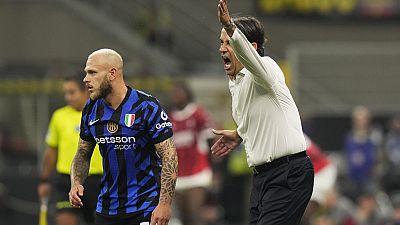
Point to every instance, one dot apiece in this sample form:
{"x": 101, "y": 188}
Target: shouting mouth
{"x": 227, "y": 62}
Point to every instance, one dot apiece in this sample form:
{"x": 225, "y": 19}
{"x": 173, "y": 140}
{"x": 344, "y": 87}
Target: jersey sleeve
{"x": 85, "y": 131}
{"x": 159, "y": 125}
{"x": 52, "y": 136}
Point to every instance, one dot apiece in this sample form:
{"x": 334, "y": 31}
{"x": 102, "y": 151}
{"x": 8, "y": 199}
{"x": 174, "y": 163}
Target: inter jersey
{"x": 126, "y": 138}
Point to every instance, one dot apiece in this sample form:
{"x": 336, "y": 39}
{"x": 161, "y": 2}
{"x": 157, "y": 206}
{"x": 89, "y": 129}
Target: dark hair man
{"x": 268, "y": 124}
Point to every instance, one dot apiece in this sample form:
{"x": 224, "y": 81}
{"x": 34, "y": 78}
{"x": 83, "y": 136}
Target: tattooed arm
{"x": 79, "y": 171}
{"x": 169, "y": 173}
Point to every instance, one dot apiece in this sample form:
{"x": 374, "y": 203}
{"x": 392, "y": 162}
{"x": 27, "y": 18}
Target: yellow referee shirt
{"x": 63, "y": 134}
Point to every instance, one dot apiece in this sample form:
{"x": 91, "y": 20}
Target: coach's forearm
{"x": 81, "y": 163}
{"x": 169, "y": 170}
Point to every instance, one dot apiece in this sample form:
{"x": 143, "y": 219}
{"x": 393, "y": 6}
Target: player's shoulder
{"x": 146, "y": 98}
{"x": 88, "y": 108}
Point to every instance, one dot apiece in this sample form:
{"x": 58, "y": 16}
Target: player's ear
{"x": 254, "y": 45}
{"x": 112, "y": 74}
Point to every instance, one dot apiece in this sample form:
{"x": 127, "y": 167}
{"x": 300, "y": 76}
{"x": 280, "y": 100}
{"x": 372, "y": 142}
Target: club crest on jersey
{"x": 112, "y": 127}
{"x": 129, "y": 119}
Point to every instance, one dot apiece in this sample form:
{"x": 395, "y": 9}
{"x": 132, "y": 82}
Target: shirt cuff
{"x": 163, "y": 137}
{"x": 236, "y": 34}
{"x": 86, "y": 138}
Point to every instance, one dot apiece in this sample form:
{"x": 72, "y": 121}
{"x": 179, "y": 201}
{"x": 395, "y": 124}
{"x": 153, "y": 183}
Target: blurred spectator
{"x": 367, "y": 211}
{"x": 392, "y": 151}
{"x": 362, "y": 148}
{"x": 192, "y": 133}
{"x": 395, "y": 219}
{"x": 337, "y": 210}
{"x": 323, "y": 220}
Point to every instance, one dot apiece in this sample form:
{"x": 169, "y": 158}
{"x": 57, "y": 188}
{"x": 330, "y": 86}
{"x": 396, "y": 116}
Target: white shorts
{"x": 201, "y": 179}
{"x": 324, "y": 183}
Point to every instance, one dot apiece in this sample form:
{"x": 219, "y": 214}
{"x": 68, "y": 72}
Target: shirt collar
{"x": 239, "y": 77}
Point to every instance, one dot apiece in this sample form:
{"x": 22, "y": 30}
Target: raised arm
{"x": 169, "y": 172}
{"x": 263, "y": 71}
{"x": 79, "y": 171}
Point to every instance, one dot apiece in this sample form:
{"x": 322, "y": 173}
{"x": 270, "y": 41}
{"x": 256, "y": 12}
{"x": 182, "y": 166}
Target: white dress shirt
{"x": 264, "y": 110}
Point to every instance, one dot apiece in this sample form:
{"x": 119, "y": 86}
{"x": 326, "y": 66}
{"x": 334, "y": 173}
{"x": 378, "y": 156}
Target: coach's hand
{"x": 161, "y": 214}
{"x": 230, "y": 140}
{"x": 75, "y": 195}
{"x": 223, "y": 13}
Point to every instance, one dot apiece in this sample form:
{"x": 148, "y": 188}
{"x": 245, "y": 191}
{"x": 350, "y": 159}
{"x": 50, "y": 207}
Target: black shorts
{"x": 61, "y": 189}
{"x": 126, "y": 219}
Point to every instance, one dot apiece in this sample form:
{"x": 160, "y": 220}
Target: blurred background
{"x": 340, "y": 59}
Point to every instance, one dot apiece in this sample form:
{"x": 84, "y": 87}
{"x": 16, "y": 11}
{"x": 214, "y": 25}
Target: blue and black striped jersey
{"x": 126, "y": 138}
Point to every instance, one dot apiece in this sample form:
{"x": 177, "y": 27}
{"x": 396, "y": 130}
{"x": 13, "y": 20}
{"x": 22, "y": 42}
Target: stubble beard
{"x": 104, "y": 90}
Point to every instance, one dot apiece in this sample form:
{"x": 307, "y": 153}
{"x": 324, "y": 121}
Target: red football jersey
{"x": 318, "y": 158}
{"x": 192, "y": 128}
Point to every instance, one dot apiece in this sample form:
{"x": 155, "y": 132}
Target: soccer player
{"x": 268, "y": 124}
{"x": 134, "y": 135}
{"x": 62, "y": 142}
{"x": 325, "y": 172}
{"x": 192, "y": 133}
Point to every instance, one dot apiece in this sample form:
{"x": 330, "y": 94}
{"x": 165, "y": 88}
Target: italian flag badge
{"x": 129, "y": 119}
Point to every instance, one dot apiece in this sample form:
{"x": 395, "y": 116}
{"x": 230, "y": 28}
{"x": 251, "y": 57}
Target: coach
{"x": 268, "y": 123}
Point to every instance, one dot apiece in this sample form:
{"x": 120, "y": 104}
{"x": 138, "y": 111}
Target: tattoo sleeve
{"x": 169, "y": 171}
{"x": 81, "y": 162}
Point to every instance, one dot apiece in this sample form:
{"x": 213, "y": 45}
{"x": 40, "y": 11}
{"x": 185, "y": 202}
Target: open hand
{"x": 223, "y": 13}
{"x": 228, "y": 142}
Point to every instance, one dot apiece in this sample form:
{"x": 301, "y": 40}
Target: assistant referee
{"x": 62, "y": 141}
{"x": 268, "y": 123}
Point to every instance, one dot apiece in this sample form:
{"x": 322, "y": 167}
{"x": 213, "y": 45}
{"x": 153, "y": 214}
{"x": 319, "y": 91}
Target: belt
{"x": 277, "y": 162}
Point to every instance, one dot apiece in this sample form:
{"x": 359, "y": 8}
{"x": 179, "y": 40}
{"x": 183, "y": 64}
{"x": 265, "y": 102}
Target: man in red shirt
{"x": 191, "y": 126}
{"x": 324, "y": 182}
{"x": 324, "y": 172}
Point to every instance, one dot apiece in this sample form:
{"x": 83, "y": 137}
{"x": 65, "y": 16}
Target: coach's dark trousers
{"x": 281, "y": 193}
